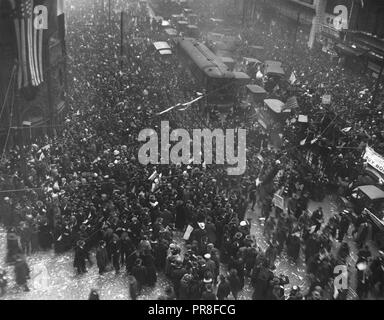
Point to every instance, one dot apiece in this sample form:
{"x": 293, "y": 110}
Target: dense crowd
{"x": 84, "y": 189}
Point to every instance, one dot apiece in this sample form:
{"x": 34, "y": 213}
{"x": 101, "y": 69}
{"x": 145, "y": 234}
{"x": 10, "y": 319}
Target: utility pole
{"x": 109, "y": 11}
{"x": 121, "y": 39}
{"x": 296, "y": 29}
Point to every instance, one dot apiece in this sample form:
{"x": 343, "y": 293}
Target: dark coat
{"x": 140, "y": 274}
{"x": 21, "y": 272}
{"x": 102, "y": 258}
{"x": 208, "y": 296}
{"x": 223, "y": 290}
{"x": 149, "y": 263}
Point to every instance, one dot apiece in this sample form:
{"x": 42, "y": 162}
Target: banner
{"x": 187, "y": 233}
{"x": 374, "y": 159}
{"x": 278, "y": 201}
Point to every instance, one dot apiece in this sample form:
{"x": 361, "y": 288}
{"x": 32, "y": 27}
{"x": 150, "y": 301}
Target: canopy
{"x": 171, "y": 32}
{"x": 256, "y": 89}
{"x": 276, "y": 105}
{"x": 371, "y": 191}
{"x": 161, "y": 45}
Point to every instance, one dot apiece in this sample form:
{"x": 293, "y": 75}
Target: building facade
{"x": 28, "y": 107}
{"x": 353, "y": 29}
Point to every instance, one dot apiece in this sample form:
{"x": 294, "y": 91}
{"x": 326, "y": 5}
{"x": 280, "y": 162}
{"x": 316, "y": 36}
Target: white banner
{"x": 374, "y": 159}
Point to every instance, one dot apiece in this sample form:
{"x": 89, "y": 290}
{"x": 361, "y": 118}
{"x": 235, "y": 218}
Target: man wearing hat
{"x": 102, "y": 257}
{"x": 210, "y": 264}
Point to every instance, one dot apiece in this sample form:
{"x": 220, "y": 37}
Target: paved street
{"x": 63, "y": 283}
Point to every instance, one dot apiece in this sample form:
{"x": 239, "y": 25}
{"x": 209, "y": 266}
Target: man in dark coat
{"x": 102, "y": 257}
{"x": 223, "y": 289}
{"x": 177, "y": 273}
{"x": 149, "y": 263}
{"x": 140, "y": 273}
{"x": 115, "y": 252}
{"x": 81, "y": 255}
{"x": 22, "y": 272}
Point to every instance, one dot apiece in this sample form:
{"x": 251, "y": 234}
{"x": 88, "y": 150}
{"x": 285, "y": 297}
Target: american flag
{"x": 29, "y": 44}
{"x": 291, "y": 103}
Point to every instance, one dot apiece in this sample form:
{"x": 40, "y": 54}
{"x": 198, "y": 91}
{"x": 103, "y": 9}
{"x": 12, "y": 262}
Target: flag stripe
{"x": 30, "y": 52}
{"x": 35, "y": 60}
{"x": 41, "y": 54}
{"x": 24, "y": 54}
{"x": 19, "y": 71}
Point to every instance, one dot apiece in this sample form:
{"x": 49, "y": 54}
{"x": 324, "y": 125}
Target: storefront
{"x": 374, "y": 46}
{"x": 294, "y": 18}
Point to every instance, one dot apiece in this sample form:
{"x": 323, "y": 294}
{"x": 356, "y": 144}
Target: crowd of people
{"x": 84, "y": 189}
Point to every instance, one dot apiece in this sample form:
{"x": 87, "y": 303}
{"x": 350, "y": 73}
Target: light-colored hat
{"x": 207, "y": 256}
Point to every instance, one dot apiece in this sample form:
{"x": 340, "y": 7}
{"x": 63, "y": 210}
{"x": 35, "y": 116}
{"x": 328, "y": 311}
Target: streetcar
{"x": 211, "y": 73}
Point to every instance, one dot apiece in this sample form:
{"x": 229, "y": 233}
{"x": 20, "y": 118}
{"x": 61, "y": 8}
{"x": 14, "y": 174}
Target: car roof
{"x": 371, "y": 192}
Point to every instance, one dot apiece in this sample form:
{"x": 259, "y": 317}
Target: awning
{"x": 275, "y": 105}
{"x": 371, "y": 191}
{"x": 349, "y": 50}
{"x": 255, "y": 89}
